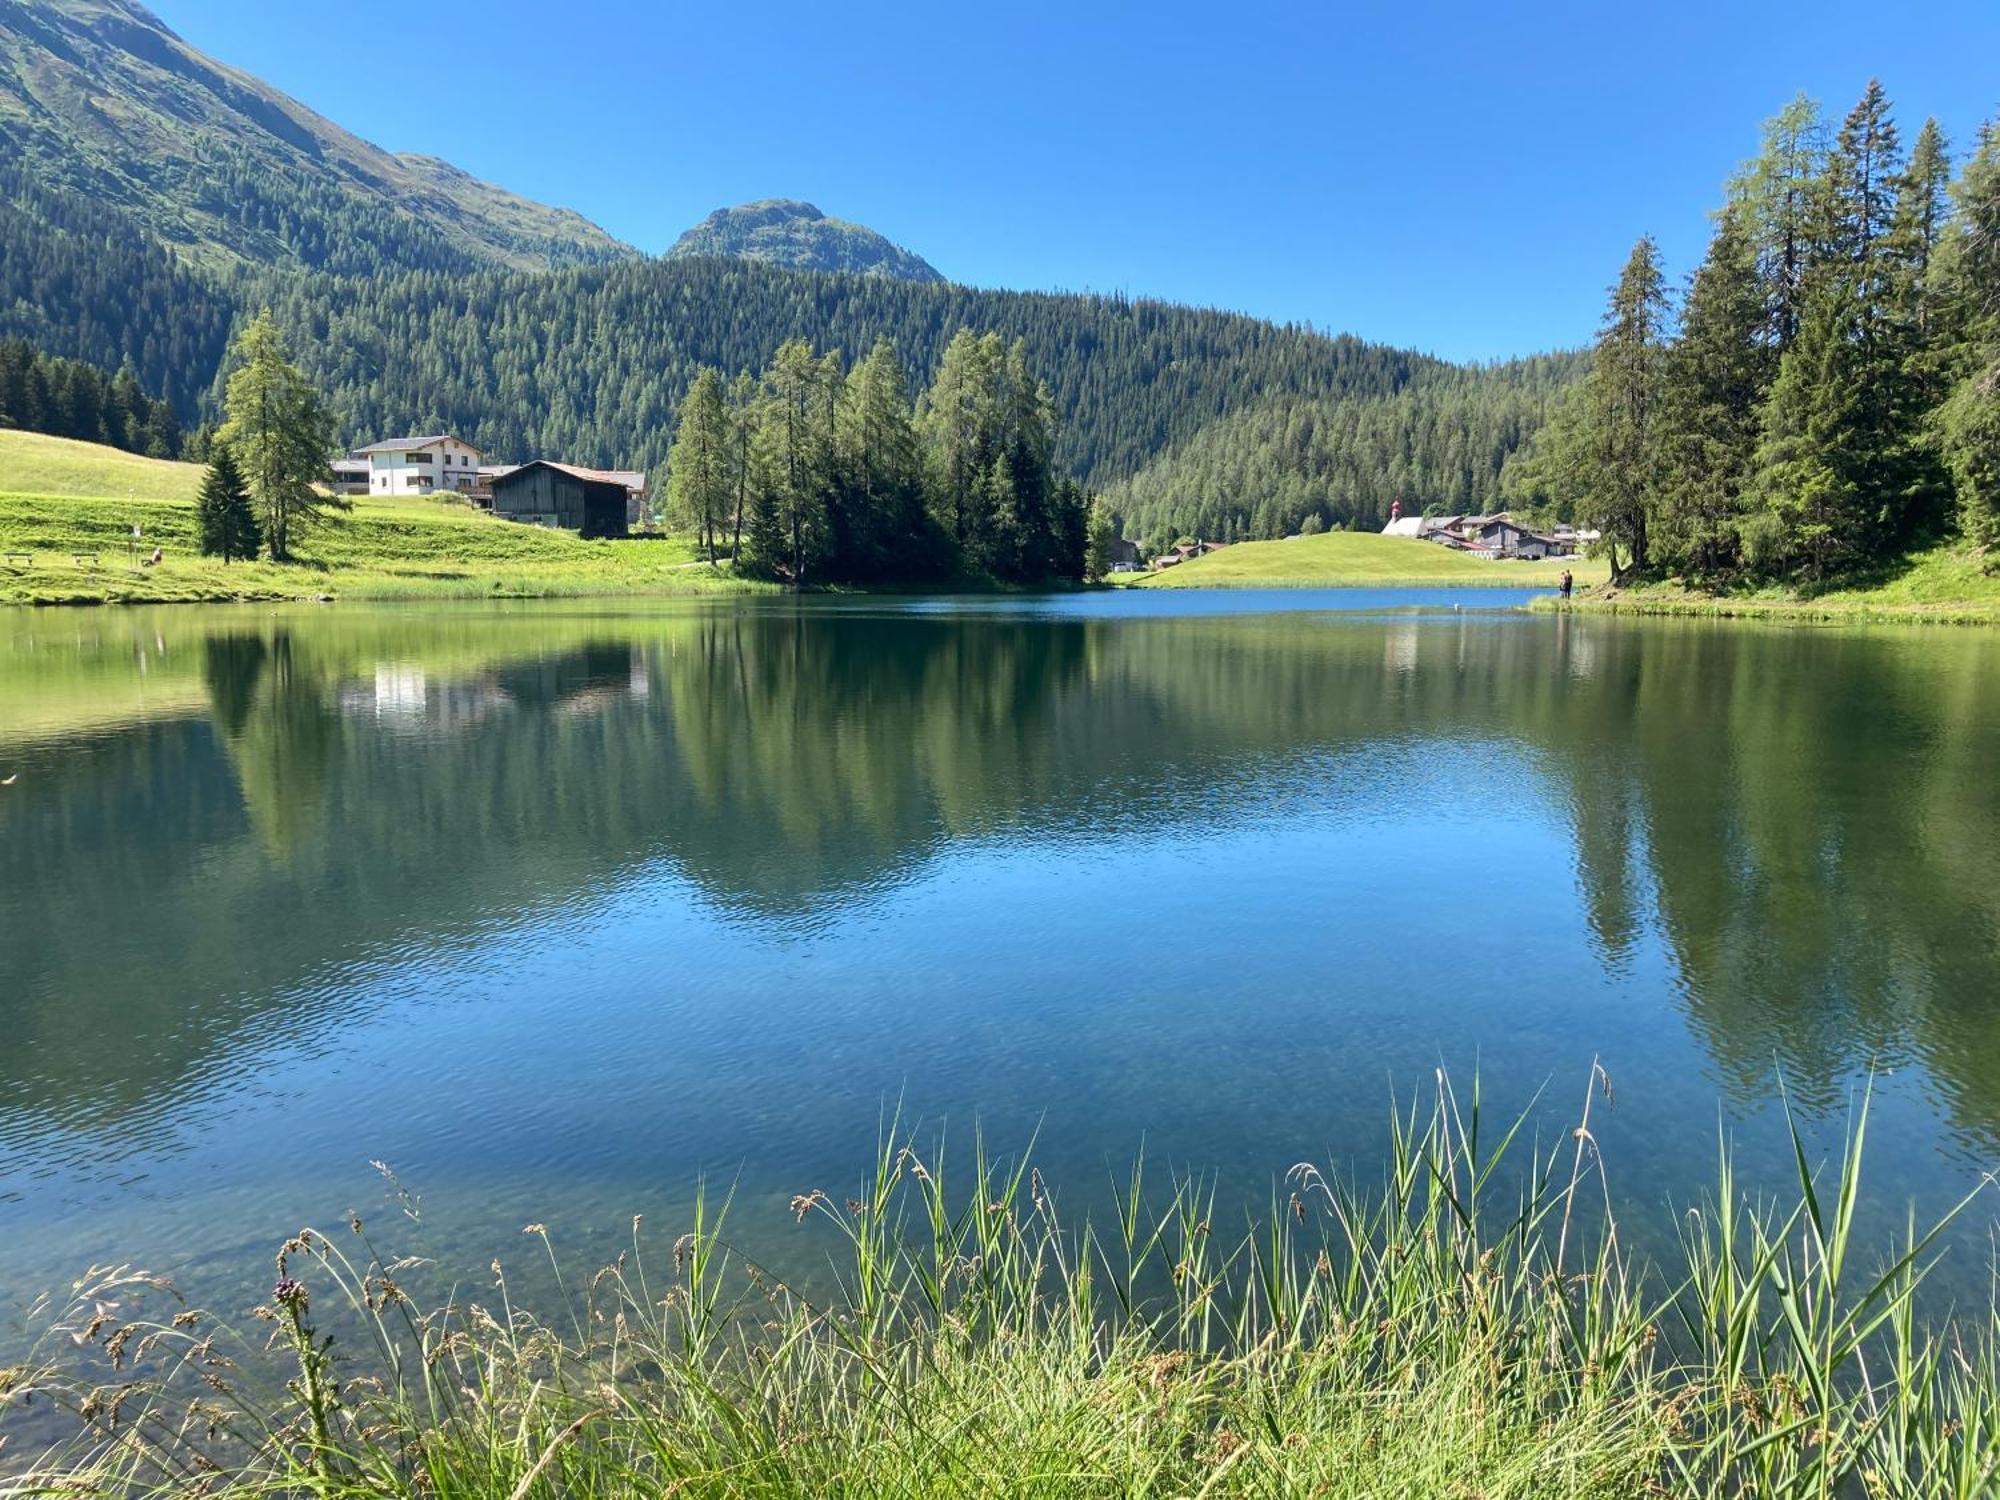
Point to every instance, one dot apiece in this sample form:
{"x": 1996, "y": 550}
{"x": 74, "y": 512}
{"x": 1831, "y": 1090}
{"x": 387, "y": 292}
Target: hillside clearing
{"x": 62, "y": 501}
{"x": 1350, "y": 558}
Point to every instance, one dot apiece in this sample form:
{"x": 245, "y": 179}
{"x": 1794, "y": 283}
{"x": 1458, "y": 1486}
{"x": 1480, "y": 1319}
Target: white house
{"x": 420, "y": 465}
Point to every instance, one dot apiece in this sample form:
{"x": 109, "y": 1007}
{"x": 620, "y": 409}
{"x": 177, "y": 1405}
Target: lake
{"x": 558, "y": 910}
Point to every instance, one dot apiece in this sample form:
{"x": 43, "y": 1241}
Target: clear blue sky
{"x": 1462, "y": 176}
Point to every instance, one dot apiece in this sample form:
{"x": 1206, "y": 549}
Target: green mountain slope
{"x": 1261, "y": 471}
{"x": 786, "y": 232}
{"x": 98, "y": 97}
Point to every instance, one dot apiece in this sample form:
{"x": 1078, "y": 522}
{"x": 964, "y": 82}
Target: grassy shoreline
{"x": 1463, "y": 1330}
{"x": 1946, "y": 585}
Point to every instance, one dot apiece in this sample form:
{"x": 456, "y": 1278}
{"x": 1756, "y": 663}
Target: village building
{"x": 1122, "y": 556}
{"x": 420, "y": 465}
{"x": 1180, "y": 552}
{"x": 590, "y": 502}
{"x": 350, "y": 476}
{"x": 1499, "y": 537}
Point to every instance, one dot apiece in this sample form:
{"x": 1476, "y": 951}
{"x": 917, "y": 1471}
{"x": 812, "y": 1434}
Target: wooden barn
{"x": 590, "y": 502}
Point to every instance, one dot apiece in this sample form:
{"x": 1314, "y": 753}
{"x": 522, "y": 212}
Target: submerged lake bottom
{"x": 470, "y": 917}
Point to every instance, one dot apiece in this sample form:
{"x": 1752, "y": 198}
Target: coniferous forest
{"x": 75, "y": 399}
{"x": 1824, "y": 393}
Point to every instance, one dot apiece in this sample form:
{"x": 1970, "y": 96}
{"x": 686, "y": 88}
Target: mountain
{"x": 100, "y": 99}
{"x": 151, "y": 199}
{"x": 785, "y": 232}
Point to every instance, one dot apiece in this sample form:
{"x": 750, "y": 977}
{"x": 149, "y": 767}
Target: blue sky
{"x": 1462, "y": 176}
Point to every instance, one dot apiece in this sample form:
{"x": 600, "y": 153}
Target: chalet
{"x": 1496, "y": 536}
{"x": 350, "y": 476}
{"x": 1122, "y": 556}
{"x": 590, "y": 502}
{"x": 1180, "y": 552}
{"x": 420, "y": 465}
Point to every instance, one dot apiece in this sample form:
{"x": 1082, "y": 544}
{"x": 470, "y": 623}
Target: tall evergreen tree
{"x": 1716, "y": 375}
{"x": 1779, "y": 192}
{"x": 700, "y": 481}
{"x": 1969, "y": 264}
{"x": 1808, "y": 469}
{"x": 795, "y": 433}
{"x": 282, "y": 435}
{"x": 225, "y": 521}
{"x": 1622, "y": 477}
{"x": 884, "y": 472}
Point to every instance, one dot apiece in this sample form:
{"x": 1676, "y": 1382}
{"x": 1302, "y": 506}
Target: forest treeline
{"x": 812, "y": 472}
{"x": 73, "y": 398}
{"x": 1825, "y": 392}
{"x": 591, "y": 363}
{"x": 1296, "y": 463}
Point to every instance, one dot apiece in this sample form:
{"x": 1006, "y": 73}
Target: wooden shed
{"x": 590, "y": 502}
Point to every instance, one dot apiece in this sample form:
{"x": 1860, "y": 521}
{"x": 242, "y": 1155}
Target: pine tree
{"x": 1716, "y": 376}
{"x": 282, "y": 434}
{"x": 225, "y": 521}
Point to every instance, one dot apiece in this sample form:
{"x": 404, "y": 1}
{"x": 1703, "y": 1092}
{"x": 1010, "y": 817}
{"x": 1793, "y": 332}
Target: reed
{"x": 1468, "y": 1327}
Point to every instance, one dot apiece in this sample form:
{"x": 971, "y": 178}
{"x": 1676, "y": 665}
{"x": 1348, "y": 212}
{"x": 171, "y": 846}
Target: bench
{"x": 25, "y": 559}
{"x": 82, "y": 559}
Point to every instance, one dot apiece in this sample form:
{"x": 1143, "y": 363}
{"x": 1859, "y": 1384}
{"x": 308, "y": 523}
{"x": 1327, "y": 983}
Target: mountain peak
{"x": 792, "y": 233}
{"x": 100, "y": 97}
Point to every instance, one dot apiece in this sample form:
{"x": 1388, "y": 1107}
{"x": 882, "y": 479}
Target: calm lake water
{"x": 559, "y": 909}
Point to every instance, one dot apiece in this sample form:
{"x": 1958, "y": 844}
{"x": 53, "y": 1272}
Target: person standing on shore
{"x": 1566, "y": 582}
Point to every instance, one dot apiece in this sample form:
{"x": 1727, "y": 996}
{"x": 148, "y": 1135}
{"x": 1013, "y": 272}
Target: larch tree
{"x": 282, "y": 435}
{"x": 700, "y": 479}
{"x": 1779, "y": 192}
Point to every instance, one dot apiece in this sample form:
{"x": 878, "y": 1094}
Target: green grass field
{"x": 1337, "y": 559}
{"x": 61, "y": 500}
{"x": 1952, "y": 584}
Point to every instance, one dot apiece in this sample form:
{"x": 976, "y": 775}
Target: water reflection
{"x": 1801, "y": 826}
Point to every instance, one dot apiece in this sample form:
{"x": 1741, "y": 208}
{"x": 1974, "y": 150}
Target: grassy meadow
{"x": 1951, "y": 584}
{"x": 60, "y": 498}
{"x": 1472, "y": 1327}
{"x": 1358, "y": 559}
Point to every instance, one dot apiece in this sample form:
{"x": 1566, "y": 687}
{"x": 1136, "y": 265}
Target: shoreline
{"x": 1956, "y": 614}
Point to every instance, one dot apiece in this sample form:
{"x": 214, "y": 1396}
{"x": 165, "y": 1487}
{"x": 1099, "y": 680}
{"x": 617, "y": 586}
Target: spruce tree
{"x": 1969, "y": 266}
{"x": 1808, "y": 465}
{"x": 225, "y": 521}
{"x": 1621, "y": 482}
{"x": 1716, "y": 376}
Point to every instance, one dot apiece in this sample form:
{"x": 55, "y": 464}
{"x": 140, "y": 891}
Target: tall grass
{"x": 1468, "y": 1327}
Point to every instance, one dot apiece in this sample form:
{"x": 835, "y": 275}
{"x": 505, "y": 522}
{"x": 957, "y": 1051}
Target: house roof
{"x": 413, "y": 444}
{"x": 631, "y": 479}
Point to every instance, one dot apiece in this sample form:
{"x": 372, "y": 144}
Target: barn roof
{"x": 631, "y": 479}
